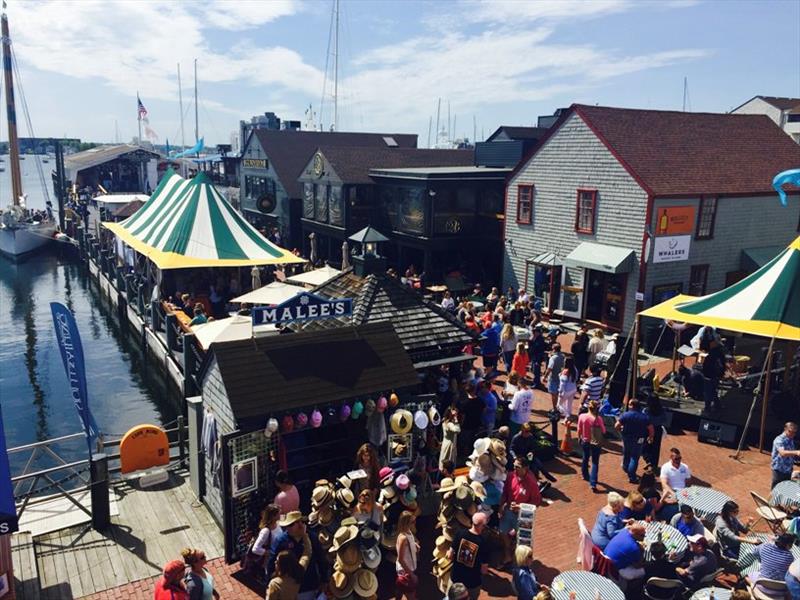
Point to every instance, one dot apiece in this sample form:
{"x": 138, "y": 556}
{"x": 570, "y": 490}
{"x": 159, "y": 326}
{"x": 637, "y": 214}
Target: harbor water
{"x": 124, "y": 390}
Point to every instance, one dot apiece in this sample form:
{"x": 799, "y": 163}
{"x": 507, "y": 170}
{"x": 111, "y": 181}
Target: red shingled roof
{"x": 780, "y": 102}
{"x": 678, "y": 153}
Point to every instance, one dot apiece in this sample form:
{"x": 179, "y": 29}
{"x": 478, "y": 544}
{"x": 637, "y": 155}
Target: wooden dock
{"x": 152, "y": 527}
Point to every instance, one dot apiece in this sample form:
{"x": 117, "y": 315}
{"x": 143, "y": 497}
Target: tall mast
{"x": 180, "y": 103}
{"x": 196, "y": 119}
{"x": 11, "y": 112}
{"x": 685, "y": 92}
{"x": 336, "y": 68}
{"x": 430, "y": 122}
{"x": 438, "y": 110}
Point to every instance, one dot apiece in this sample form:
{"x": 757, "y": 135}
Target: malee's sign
{"x": 671, "y": 248}
{"x": 303, "y": 307}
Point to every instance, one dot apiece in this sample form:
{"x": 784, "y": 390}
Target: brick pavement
{"x": 556, "y": 533}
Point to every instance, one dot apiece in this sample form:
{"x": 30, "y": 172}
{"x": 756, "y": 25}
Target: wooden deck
{"x": 152, "y": 527}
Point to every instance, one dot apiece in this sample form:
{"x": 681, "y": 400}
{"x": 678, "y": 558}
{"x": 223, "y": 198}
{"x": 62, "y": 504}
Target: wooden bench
{"x": 26, "y": 573}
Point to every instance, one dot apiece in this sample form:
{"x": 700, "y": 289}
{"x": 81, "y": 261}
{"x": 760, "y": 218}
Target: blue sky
{"x": 499, "y": 62}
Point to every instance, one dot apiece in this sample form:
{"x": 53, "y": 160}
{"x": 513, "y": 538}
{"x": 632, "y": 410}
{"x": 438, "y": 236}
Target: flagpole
{"x": 139, "y": 117}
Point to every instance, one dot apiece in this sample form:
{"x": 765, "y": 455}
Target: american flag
{"x": 142, "y": 109}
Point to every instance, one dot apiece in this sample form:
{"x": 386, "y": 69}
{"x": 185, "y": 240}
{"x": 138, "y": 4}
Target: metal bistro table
{"x": 705, "y": 594}
{"x": 673, "y": 539}
{"x": 706, "y": 502}
{"x": 786, "y": 495}
{"x": 748, "y": 559}
{"x": 585, "y": 584}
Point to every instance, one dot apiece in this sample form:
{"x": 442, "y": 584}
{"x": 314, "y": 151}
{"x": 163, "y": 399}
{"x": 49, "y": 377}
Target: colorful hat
{"x": 384, "y": 473}
{"x": 301, "y": 420}
{"x": 316, "y": 418}
{"x": 287, "y": 424}
{"x": 393, "y": 400}
{"x": 365, "y": 583}
{"x": 382, "y": 404}
{"x": 402, "y": 482}
{"x": 272, "y": 427}
{"x": 421, "y": 419}
{"x": 401, "y": 421}
{"x": 369, "y": 407}
{"x": 344, "y": 412}
{"x": 434, "y": 416}
{"x": 358, "y": 409}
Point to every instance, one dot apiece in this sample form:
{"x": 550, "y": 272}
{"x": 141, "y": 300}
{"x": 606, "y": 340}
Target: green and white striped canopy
{"x": 766, "y": 303}
{"x": 187, "y": 223}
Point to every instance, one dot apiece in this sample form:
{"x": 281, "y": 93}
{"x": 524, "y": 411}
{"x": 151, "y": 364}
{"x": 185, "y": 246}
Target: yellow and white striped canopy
{"x": 187, "y": 223}
{"x": 766, "y": 303}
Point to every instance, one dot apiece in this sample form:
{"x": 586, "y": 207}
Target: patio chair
{"x": 772, "y": 516}
{"x": 767, "y": 589}
{"x": 658, "y": 588}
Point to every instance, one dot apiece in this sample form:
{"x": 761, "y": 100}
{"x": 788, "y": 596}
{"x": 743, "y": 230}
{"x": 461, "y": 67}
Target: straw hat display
{"x": 487, "y": 466}
{"x": 401, "y": 421}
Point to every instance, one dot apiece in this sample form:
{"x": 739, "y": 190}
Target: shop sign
{"x": 675, "y": 220}
{"x": 303, "y": 307}
{"x": 254, "y": 163}
{"x": 672, "y": 248}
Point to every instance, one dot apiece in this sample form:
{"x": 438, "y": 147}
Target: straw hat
{"x": 401, "y": 421}
{"x": 371, "y": 557}
{"x": 463, "y": 519}
{"x": 478, "y": 490}
{"x": 444, "y": 565}
{"x": 344, "y": 481}
{"x": 462, "y": 480}
{"x": 480, "y": 446}
{"x": 442, "y": 543}
{"x": 449, "y": 533}
{"x": 399, "y": 449}
{"x": 348, "y": 521}
{"x": 389, "y": 540}
{"x": 497, "y": 448}
{"x": 434, "y": 416}
{"x": 341, "y": 584}
{"x": 446, "y": 485}
{"x": 343, "y": 536}
{"x": 345, "y": 498}
{"x": 365, "y": 583}
{"x": 291, "y": 518}
{"x": 368, "y": 537}
{"x": 325, "y": 539}
{"x": 321, "y": 495}
{"x": 441, "y": 551}
{"x": 349, "y": 558}
{"x": 313, "y": 519}
{"x": 325, "y": 516}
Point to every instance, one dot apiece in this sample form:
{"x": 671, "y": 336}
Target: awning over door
{"x": 599, "y": 257}
{"x": 547, "y": 259}
{"x": 754, "y": 258}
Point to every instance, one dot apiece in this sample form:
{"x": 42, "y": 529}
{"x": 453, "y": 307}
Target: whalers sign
{"x": 303, "y": 307}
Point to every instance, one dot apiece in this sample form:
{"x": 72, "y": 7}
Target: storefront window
{"x": 336, "y": 208}
{"x": 411, "y": 216}
{"x": 321, "y": 203}
{"x": 308, "y": 200}
{"x": 255, "y": 187}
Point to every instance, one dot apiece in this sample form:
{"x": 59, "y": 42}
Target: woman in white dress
{"x": 450, "y": 430}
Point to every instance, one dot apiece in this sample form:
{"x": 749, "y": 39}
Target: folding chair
{"x": 658, "y": 588}
{"x": 772, "y": 516}
{"x": 767, "y": 589}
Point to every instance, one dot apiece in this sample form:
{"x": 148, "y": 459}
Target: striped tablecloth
{"x": 673, "y": 539}
{"x": 706, "y": 502}
{"x": 786, "y": 494}
{"x": 585, "y": 585}
{"x": 705, "y": 594}
{"x": 748, "y": 560}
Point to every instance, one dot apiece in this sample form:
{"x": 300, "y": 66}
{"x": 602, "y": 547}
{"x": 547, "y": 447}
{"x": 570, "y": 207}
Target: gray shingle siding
{"x": 741, "y": 223}
{"x": 215, "y": 398}
{"x": 574, "y": 158}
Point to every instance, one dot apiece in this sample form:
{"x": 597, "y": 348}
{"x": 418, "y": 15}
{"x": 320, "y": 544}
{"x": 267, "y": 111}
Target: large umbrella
{"x": 315, "y": 277}
{"x": 271, "y": 294}
{"x": 766, "y": 303}
{"x": 237, "y": 327}
{"x": 312, "y": 260}
{"x": 345, "y": 255}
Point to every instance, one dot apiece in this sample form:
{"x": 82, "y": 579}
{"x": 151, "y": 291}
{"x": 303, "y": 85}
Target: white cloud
{"x": 136, "y": 45}
{"x": 515, "y": 11}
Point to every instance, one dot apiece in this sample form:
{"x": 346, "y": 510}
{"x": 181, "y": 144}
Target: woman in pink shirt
{"x": 590, "y": 433}
{"x": 287, "y": 499}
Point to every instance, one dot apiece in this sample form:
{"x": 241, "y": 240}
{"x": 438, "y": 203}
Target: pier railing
{"x": 49, "y": 470}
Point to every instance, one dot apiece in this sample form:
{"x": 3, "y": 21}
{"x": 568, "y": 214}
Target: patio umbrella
{"x": 237, "y": 327}
{"x": 312, "y": 260}
{"x": 345, "y": 255}
{"x": 271, "y": 294}
{"x": 255, "y": 278}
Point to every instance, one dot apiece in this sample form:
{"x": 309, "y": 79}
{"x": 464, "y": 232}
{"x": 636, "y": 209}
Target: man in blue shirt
{"x": 625, "y": 552}
{"x": 490, "y": 344}
{"x": 489, "y": 405}
{"x": 784, "y": 451}
{"x": 635, "y": 427}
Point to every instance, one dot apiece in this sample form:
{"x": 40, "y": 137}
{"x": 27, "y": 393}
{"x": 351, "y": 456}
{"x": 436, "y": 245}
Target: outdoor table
{"x": 477, "y": 304}
{"x": 586, "y": 585}
{"x": 786, "y": 495}
{"x": 674, "y": 540}
{"x": 706, "y": 502}
{"x": 705, "y": 594}
{"x": 747, "y": 553}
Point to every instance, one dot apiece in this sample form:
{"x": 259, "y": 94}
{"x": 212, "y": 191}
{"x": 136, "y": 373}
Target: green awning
{"x": 600, "y": 257}
{"x": 754, "y": 258}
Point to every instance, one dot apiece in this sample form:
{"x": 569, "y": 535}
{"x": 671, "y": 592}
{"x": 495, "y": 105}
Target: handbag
{"x": 596, "y": 434}
{"x": 250, "y": 562}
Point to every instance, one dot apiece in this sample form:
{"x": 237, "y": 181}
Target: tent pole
{"x": 635, "y": 355}
{"x": 765, "y": 398}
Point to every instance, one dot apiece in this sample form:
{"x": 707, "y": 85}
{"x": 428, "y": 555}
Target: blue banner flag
{"x": 8, "y": 510}
{"x": 69, "y": 342}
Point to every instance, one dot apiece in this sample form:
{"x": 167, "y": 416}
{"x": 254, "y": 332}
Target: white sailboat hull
{"x": 25, "y": 238}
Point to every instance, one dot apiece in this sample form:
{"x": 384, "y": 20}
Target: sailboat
{"x": 21, "y": 231}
